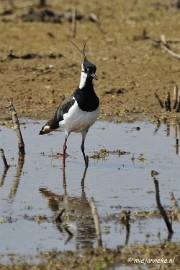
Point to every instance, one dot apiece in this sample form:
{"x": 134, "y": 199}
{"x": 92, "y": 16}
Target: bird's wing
{"x": 64, "y": 107}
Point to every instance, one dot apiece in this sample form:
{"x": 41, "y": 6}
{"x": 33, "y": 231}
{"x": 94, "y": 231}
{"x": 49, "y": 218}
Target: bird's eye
{"x": 86, "y": 70}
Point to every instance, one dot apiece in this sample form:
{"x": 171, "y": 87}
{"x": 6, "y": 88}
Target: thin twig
{"x": 159, "y": 100}
{"x": 17, "y": 177}
{"x": 96, "y": 222}
{"x": 173, "y": 40}
{"x": 15, "y": 119}
{"x": 168, "y": 102}
{"x": 70, "y": 234}
{"x": 175, "y": 96}
{"x": 177, "y": 109}
{"x": 177, "y": 146}
{"x": 175, "y": 205}
{"x": 4, "y": 159}
{"x": 73, "y": 25}
{"x": 3, "y": 177}
{"x": 161, "y": 208}
{"x": 68, "y": 231}
{"x": 166, "y": 48}
{"x": 125, "y": 217}
{"x": 58, "y": 219}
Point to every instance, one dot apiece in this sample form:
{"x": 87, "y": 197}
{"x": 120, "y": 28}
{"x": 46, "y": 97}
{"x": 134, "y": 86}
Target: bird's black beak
{"x": 45, "y": 129}
{"x": 93, "y": 75}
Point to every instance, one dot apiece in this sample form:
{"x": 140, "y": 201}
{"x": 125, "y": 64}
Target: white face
{"x": 82, "y": 68}
{"x": 83, "y": 78}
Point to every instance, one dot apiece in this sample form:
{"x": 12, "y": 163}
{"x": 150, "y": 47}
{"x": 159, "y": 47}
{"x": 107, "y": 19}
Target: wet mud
{"x": 39, "y": 66}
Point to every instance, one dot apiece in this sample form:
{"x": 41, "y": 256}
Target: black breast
{"x": 87, "y": 98}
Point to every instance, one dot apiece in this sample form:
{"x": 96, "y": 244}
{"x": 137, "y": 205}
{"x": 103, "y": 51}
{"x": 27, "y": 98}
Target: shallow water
{"x": 32, "y": 194}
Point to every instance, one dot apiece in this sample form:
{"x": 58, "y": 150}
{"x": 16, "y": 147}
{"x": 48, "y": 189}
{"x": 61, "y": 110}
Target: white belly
{"x": 77, "y": 120}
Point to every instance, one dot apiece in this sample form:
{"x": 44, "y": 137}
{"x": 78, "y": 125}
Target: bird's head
{"x": 45, "y": 129}
{"x": 87, "y": 67}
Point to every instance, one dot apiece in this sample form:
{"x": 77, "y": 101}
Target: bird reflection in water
{"x": 73, "y": 214}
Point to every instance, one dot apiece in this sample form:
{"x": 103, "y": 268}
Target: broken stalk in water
{"x": 175, "y": 205}
{"x": 161, "y": 208}
{"x": 96, "y": 222}
{"x": 4, "y": 159}
{"x": 169, "y": 105}
{"x": 17, "y": 129}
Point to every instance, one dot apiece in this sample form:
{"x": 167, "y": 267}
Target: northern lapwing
{"x": 78, "y": 112}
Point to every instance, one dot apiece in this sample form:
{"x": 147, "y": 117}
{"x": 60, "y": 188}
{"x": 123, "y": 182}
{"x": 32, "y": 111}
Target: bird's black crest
{"x": 81, "y": 51}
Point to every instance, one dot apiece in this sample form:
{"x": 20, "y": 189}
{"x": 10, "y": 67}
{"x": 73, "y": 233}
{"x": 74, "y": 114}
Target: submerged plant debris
{"x": 103, "y": 153}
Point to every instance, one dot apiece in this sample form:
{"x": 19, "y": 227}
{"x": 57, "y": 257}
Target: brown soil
{"x": 130, "y": 68}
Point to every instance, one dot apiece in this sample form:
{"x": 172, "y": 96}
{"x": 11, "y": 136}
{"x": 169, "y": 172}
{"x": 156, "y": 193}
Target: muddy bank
{"x": 121, "y": 43}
